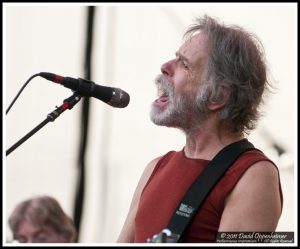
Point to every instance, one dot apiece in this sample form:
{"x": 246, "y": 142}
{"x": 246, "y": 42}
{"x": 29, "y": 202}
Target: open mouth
{"x": 164, "y": 92}
{"x": 162, "y": 101}
{"x": 163, "y": 98}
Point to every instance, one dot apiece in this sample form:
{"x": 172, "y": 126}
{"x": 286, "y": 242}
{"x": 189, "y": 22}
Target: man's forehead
{"x": 196, "y": 45}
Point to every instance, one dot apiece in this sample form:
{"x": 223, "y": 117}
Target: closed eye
{"x": 182, "y": 59}
{"x": 184, "y": 63}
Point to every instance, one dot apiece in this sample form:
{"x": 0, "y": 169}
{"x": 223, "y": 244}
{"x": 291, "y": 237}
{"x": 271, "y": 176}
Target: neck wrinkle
{"x": 205, "y": 143}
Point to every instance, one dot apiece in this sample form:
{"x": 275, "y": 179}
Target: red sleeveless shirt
{"x": 170, "y": 180}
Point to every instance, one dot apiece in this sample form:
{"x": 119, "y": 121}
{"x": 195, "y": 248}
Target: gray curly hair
{"x": 237, "y": 65}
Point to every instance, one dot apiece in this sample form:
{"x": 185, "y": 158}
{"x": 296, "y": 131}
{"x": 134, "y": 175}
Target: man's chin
{"x": 162, "y": 119}
{"x": 158, "y": 118}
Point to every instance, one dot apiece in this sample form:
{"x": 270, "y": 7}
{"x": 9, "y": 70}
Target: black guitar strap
{"x": 202, "y": 186}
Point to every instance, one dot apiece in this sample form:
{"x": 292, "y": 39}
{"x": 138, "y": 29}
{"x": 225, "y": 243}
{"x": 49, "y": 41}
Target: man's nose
{"x": 168, "y": 68}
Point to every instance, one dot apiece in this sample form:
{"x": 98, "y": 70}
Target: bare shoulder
{"x": 262, "y": 175}
{"x": 145, "y": 177}
{"x": 263, "y": 170}
{"x": 149, "y": 168}
{"x": 255, "y": 202}
{"x": 128, "y": 230}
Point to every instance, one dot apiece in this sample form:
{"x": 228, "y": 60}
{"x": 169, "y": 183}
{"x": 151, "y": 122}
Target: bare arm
{"x": 254, "y": 205}
{"x": 128, "y": 230}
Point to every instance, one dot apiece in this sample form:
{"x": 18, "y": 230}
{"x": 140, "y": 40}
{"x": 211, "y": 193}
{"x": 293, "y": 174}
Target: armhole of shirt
{"x": 231, "y": 174}
{"x": 266, "y": 159}
{"x": 156, "y": 168}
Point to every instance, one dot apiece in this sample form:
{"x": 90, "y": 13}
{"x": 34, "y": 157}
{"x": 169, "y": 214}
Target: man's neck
{"x": 206, "y": 142}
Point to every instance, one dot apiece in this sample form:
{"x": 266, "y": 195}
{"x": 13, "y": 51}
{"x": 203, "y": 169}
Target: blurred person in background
{"x": 211, "y": 91}
{"x": 41, "y": 220}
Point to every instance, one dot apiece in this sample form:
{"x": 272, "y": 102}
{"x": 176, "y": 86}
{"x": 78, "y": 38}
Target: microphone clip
{"x": 67, "y": 104}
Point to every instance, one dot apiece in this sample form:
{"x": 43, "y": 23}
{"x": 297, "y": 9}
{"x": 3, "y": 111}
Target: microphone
{"x": 114, "y": 97}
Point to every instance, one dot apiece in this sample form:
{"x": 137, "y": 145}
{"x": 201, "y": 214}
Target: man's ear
{"x": 219, "y": 99}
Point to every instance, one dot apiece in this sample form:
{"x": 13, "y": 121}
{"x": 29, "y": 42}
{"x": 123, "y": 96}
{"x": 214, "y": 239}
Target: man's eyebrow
{"x": 181, "y": 56}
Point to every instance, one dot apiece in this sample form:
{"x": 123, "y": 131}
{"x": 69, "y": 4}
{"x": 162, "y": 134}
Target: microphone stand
{"x": 67, "y": 104}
